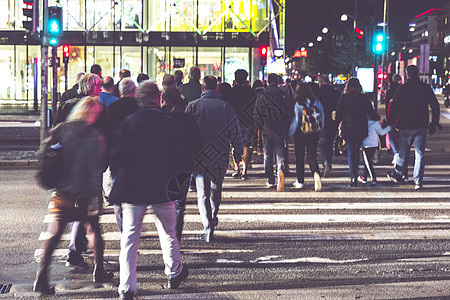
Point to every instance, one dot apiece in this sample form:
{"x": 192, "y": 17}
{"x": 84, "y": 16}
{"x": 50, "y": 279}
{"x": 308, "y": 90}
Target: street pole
{"x": 44, "y": 74}
{"x": 55, "y": 81}
{"x": 375, "y": 82}
{"x": 355, "y": 14}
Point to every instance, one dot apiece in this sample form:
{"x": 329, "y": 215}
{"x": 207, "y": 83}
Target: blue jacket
{"x": 298, "y": 108}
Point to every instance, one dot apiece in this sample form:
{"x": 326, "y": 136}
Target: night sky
{"x": 306, "y": 18}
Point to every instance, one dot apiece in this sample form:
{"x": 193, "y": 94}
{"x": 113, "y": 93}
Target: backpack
{"x": 50, "y": 161}
{"x": 311, "y": 119}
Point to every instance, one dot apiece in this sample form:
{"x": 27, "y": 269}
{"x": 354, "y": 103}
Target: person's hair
{"x": 257, "y": 84}
{"x": 149, "y": 93}
{"x": 168, "y": 81}
{"x": 194, "y": 73}
{"x": 79, "y": 76}
{"x": 272, "y": 79}
{"x": 84, "y": 109}
{"x": 87, "y": 83}
{"x": 124, "y": 73}
{"x": 210, "y": 82}
{"x": 107, "y": 83}
{"x": 171, "y": 95}
{"x": 178, "y": 76}
{"x": 303, "y": 93}
{"x": 353, "y": 86}
{"x": 96, "y": 69}
{"x": 224, "y": 90}
{"x": 240, "y": 76}
{"x": 397, "y": 78}
{"x": 142, "y": 77}
{"x": 324, "y": 80}
{"x": 412, "y": 71}
{"x": 127, "y": 87}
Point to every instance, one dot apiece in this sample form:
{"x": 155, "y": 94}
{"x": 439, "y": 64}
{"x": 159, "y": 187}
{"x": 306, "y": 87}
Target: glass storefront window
{"x": 235, "y": 58}
{"x": 75, "y": 66}
{"x": 7, "y": 77}
{"x": 157, "y": 63}
{"x": 210, "y": 17}
{"x": 8, "y": 13}
{"x": 186, "y": 53}
{"x": 101, "y": 17}
{"x": 128, "y": 15}
{"x": 210, "y": 61}
{"x": 73, "y": 14}
{"x": 131, "y": 60}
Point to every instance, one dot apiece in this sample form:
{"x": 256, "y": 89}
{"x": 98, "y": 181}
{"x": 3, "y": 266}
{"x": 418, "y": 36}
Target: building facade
{"x": 155, "y": 37}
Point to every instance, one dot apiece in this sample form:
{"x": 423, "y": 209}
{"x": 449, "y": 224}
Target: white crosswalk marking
{"x": 246, "y": 206}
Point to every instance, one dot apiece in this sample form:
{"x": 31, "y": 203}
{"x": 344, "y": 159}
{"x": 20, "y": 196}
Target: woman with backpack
{"x": 352, "y": 110}
{"x": 305, "y": 127}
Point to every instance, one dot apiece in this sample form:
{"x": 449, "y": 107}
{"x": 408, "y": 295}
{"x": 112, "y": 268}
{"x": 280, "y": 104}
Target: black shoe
{"x": 174, "y": 282}
{"x": 352, "y": 183}
{"x": 373, "y": 182}
{"x": 126, "y": 296}
{"x": 76, "y": 261}
{"x": 102, "y": 276}
{"x": 326, "y": 170}
{"x": 394, "y": 177}
{"x": 43, "y": 289}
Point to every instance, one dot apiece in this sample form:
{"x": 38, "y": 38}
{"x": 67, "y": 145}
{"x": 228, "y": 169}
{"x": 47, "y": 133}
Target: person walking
{"x": 107, "y": 95}
{"x": 193, "y": 89}
{"x": 78, "y": 191}
{"x": 369, "y": 147}
{"x": 410, "y": 110}
{"x": 124, "y": 73}
{"x": 352, "y": 110}
{"x": 219, "y": 128}
{"x": 270, "y": 115}
{"x": 305, "y": 102}
{"x": 243, "y": 99}
{"x": 72, "y": 92}
{"x": 148, "y": 151}
{"x": 329, "y": 97}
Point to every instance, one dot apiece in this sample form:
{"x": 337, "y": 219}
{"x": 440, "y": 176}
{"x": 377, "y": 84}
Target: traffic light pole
{"x": 375, "y": 82}
{"x": 55, "y": 80}
{"x": 44, "y": 75}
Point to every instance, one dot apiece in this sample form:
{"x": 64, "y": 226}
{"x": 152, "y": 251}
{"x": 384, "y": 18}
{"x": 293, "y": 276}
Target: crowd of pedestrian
{"x": 139, "y": 146}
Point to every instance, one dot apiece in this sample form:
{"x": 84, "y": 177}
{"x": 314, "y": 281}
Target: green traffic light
{"x": 53, "y": 41}
{"x": 379, "y": 43}
{"x": 54, "y": 27}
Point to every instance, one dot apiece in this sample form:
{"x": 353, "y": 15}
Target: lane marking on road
{"x": 62, "y": 253}
{"x": 296, "y": 218}
{"x": 445, "y": 114}
{"x": 273, "y": 260}
{"x": 295, "y": 235}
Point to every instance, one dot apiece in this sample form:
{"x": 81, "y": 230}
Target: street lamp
{"x": 311, "y": 44}
{"x": 325, "y": 30}
{"x": 319, "y": 38}
{"x": 344, "y": 18}
{"x": 302, "y": 49}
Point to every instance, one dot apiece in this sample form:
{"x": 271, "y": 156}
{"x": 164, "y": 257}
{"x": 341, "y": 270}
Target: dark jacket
{"x": 329, "y": 98}
{"x": 83, "y": 159}
{"x": 119, "y": 110}
{"x": 65, "y": 108}
{"x": 219, "y": 127}
{"x": 352, "y": 110}
{"x": 243, "y": 100}
{"x": 151, "y": 147}
{"x": 271, "y": 110}
{"x": 70, "y": 93}
{"x": 410, "y": 105}
{"x": 191, "y": 91}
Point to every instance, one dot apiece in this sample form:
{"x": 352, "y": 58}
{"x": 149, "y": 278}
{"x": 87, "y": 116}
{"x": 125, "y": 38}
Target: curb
{"x": 18, "y": 164}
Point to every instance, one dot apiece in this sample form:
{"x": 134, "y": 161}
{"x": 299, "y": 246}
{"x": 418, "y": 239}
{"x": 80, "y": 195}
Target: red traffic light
{"x": 359, "y": 31}
{"x": 263, "y": 51}
{"x": 65, "y": 50}
{"x": 382, "y": 76}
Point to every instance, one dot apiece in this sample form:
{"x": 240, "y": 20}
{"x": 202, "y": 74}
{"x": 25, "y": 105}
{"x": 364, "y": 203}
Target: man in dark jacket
{"x": 73, "y": 92}
{"x": 243, "y": 99}
{"x": 149, "y": 149}
{"x": 410, "y": 106}
{"x": 124, "y": 73}
{"x": 192, "y": 90}
{"x": 329, "y": 97}
{"x": 270, "y": 116}
{"x": 219, "y": 127}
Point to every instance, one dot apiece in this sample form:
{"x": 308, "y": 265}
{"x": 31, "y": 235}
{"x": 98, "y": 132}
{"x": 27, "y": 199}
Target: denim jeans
{"x": 407, "y": 138}
{"x": 309, "y": 141}
{"x": 353, "y": 146}
{"x": 209, "y": 196}
{"x": 273, "y": 142}
{"x": 326, "y": 143}
{"x": 165, "y": 221}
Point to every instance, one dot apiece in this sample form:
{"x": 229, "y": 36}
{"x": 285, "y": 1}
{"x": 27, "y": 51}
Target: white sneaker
{"x": 298, "y": 185}
{"x": 270, "y": 185}
{"x": 317, "y": 182}
{"x": 394, "y": 160}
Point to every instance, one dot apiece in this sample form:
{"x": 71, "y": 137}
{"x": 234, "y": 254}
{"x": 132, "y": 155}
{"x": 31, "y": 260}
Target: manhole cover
{"x": 5, "y": 288}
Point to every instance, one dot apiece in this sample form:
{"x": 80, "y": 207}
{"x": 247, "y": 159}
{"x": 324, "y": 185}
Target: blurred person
{"x": 352, "y": 110}
{"x": 305, "y": 100}
{"x": 77, "y": 195}
{"x": 409, "y": 111}
{"x": 329, "y": 98}
{"x": 258, "y": 87}
{"x": 72, "y": 92}
{"x": 141, "y": 78}
{"x": 171, "y": 101}
{"x": 96, "y": 69}
{"x": 219, "y": 128}
{"x": 168, "y": 81}
{"x": 107, "y": 95}
{"x": 193, "y": 89}
{"x": 178, "y": 78}
{"x": 243, "y": 99}
{"x": 124, "y": 73}
{"x": 270, "y": 116}
{"x": 225, "y": 91}
{"x": 393, "y": 134}
{"x": 147, "y": 153}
